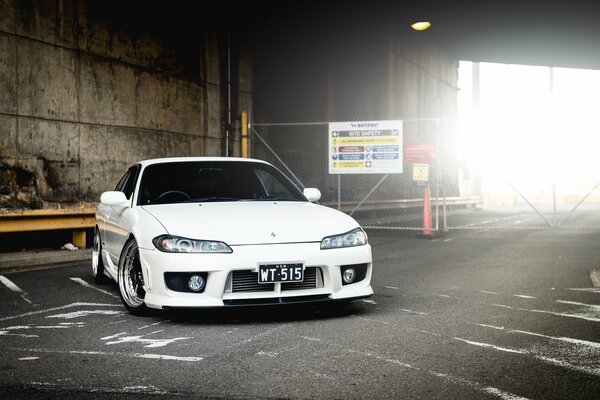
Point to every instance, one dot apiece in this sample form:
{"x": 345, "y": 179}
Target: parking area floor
{"x": 470, "y": 315}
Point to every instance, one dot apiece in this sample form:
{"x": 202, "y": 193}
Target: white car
{"x": 213, "y": 232}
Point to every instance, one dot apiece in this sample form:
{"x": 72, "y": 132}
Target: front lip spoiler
{"x": 276, "y": 301}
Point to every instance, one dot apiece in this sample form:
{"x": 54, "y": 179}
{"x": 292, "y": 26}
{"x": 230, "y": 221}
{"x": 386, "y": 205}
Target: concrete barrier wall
{"x": 86, "y": 89}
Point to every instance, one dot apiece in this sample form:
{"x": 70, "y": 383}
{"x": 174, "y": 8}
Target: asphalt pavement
{"x": 469, "y": 315}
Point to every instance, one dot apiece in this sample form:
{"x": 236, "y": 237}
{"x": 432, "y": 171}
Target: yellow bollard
{"x": 79, "y": 239}
{"x": 244, "y": 138}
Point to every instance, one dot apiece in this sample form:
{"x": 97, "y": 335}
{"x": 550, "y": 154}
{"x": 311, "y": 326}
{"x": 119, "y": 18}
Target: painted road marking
{"x": 154, "y": 324}
{"x": 491, "y": 346}
{"x": 554, "y": 361}
{"x": 4, "y": 332}
{"x": 150, "y": 343}
{"x": 112, "y": 354}
{"x": 166, "y": 357}
{"x": 494, "y": 220}
{"x": 113, "y": 336}
{"x": 142, "y": 389}
{"x": 477, "y": 386}
{"x": 392, "y": 287}
{"x": 10, "y": 284}
{"x": 85, "y": 313}
{"x": 369, "y": 301}
{"x": 25, "y": 327}
{"x": 502, "y": 394}
{"x": 591, "y": 290}
{"x": 575, "y": 303}
{"x": 435, "y": 294}
{"x": 588, "y": 316}
{"x": 27, "y": 314}
{"x": 450, "y": 378}
{"x": 431, "y": 333}
{"x": 103, "y": 390}
{"x": 560, "y": 338}
{"x": 87, "y": 285}
{"x": 585, "y": 317}
{"x": 522, "y": 296}
{"x": 370, "y": 320}
{"x": 412, "y": 312}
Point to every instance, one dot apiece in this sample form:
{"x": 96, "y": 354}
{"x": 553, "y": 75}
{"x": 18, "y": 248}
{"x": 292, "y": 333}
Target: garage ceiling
{"x": 565, "y": 33}
{"x": 558, "y": 33}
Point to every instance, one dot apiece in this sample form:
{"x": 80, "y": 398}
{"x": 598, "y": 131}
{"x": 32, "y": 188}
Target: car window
{"x": 272, "y": 186}
{"x": 202, "y": 181}
{"x": 127, "y": 182}
{"x": 122, "y": 182}
{"x": 131, "y": 181}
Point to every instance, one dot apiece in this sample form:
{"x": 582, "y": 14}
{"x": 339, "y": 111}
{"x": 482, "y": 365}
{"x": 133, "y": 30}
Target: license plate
{"x": 275, "y": 273}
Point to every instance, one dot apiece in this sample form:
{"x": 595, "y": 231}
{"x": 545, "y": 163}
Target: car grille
{"x": 247, "y": 281}
{"x": 310, "y": 281}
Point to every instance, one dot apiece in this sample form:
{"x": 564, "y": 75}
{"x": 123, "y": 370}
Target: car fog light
{"x": 196, "y": 283}
{"x": 349, "y": 275}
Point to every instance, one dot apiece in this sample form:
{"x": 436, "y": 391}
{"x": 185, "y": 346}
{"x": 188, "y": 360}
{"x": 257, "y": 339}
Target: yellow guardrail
{"x": 76, "y": 219}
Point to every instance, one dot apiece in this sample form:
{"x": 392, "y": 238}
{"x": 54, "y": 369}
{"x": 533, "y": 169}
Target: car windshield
{"x": 204, "y": 181}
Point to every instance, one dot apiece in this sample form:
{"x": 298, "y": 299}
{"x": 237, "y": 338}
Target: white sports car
{"x": 213, "y": 232}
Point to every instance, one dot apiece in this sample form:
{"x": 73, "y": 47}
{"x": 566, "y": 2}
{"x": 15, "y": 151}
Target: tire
{"x": 97, "y": 263}
{"x": 131, "y": 280}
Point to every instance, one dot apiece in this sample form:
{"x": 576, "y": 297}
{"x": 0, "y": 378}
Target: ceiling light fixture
{"x": 421, "y": 25}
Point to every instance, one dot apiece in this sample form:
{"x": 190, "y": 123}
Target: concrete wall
{"x": 87, "y": 89}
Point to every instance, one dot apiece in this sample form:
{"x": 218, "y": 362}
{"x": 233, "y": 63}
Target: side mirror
{"x": 114, "y": 199}
{"x": 312, "y": 194}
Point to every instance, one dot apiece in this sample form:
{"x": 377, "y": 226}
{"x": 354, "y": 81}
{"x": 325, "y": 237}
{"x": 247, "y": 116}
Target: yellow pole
{"x": 244, "y": 134}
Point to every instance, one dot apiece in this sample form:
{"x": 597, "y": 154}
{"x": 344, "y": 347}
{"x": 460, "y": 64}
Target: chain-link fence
{"x": 532, "y": 199}
{"x": 538, "y": 172}
{"x": 391, "y": 201}
{"x": 505, "y": 198}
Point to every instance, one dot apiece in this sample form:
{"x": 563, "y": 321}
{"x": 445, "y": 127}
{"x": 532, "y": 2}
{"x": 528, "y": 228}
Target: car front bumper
{"x": 219, "y": 267}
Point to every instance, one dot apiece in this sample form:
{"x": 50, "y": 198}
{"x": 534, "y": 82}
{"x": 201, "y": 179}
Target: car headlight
{"x": 176, "y": 244}
{"x": 356, "y": 237}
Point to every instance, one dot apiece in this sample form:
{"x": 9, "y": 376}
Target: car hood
{"x": 252, "y": 222}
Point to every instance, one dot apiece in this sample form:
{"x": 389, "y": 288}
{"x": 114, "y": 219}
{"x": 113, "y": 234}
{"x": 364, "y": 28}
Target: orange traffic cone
{"x": 426, "y": 232}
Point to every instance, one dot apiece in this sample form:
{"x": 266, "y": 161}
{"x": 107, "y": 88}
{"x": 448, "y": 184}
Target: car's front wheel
{"x": 97, "y": 263}
{"x": 131, "y": 280}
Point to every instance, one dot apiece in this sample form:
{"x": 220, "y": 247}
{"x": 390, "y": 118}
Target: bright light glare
{"x": 421, "y": 25}
{"x": 528, "y": 134}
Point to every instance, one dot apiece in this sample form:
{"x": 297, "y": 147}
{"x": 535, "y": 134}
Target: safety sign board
{"x": 421, "y": 172}
{"x": 419, "y": 152}
{"x": 365, "y": 147}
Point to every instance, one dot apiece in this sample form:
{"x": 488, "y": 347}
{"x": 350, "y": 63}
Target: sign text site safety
{"x": 367, "y": 147}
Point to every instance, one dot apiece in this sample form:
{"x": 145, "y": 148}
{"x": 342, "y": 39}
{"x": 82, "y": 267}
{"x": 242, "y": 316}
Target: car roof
{"x": 145, "y": 163}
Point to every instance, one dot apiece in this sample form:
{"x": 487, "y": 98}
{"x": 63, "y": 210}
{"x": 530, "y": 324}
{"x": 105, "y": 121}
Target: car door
{"x": 119, "y": 219}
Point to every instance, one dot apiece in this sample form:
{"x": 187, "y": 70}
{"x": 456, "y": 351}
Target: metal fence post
{"x": 339, "y": 191}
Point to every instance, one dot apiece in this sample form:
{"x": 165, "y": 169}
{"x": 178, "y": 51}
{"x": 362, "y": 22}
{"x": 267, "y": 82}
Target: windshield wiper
{"x": 212, "y": 198}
